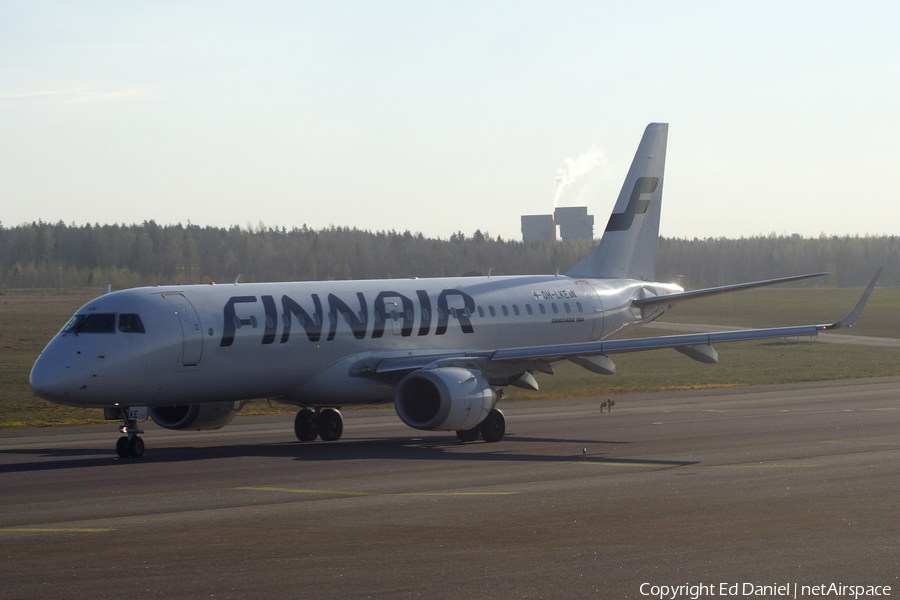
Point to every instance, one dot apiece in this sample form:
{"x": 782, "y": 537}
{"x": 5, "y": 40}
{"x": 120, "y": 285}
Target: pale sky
{"x": 445, "y": 117}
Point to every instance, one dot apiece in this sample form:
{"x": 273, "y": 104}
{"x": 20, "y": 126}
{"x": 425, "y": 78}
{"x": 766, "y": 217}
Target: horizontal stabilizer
{"x": 725, "y": 289}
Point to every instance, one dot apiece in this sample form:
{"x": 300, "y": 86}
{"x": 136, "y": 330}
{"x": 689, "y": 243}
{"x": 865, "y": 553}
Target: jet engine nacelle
{"x": 197, "y": 417}
{"x": 445, "y": 399}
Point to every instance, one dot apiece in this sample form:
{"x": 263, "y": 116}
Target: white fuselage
{"x": 297, "y": 342}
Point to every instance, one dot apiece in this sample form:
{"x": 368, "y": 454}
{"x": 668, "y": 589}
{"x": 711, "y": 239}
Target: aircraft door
{"x": 392, "y": 309}
{"x": 192, "y": 334}
{"x": 592, "y": 307}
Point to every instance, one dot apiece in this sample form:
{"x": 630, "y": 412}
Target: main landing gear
{"x": 492, "y": 429}
{"x": 130, "y": 445}
{"x": 325, "y": 423}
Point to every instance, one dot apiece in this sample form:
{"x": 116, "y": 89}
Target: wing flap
{"x": 561, "y": 351}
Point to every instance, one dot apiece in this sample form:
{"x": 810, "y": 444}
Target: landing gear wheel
{"x": 135, "y": 447}
{"x": 305, "y": 425}
{"x": 331, "y": 425}
{"x": 130, "y": 445}
{"x": 493, "y": 427}
{"x": 122, "y": 447}
{"x": 468, "y": 435}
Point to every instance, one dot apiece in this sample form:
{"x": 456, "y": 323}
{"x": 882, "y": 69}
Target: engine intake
{"x": 197, "y": 417}
{"x": 444, "y": 399}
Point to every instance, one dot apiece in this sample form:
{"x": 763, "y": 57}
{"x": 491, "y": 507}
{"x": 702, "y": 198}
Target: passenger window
{"x": 129, "y": 323}
{"x": 425, "y": 315}
{"x": 528, "y": 309}
{"x": 98, "y": 323}
{"x": 578, "y": 306}
{"x": 516, "y": 309}
{"x": 505, "y": 310}
{"x": 480, "y": 312}
{"x": 492, "y": 311}
{"x": 568, "y": 308}
{"x": 555, "y": 309}
{"x": 542, "y": 309}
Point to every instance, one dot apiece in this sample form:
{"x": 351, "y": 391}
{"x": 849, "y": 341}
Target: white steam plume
{"x": 573, "y": 168}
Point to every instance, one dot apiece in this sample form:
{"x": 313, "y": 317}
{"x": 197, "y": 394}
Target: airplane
{"x": 441, "y": 350}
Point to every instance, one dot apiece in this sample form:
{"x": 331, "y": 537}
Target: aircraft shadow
{"x": 387, "y": 449}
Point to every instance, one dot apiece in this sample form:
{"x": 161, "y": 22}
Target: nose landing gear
{"x": 130, "y": 445}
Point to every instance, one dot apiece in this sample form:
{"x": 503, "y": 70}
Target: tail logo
{"x": 636, "y": 206}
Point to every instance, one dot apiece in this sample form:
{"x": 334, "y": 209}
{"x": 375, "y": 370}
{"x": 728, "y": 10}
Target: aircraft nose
{"x": 49, "y": 378}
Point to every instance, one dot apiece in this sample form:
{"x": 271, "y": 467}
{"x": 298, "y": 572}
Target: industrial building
{"x": 574, "y": 223}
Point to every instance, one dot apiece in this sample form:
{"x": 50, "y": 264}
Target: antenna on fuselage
{"x": 107, "y": 289}
{"x": 237, "y": 279}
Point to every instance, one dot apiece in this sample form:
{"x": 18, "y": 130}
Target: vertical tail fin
{"x": 627, "y": 249}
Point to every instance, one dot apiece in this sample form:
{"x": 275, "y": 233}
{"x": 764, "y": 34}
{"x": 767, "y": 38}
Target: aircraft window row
{"x": 104, "y": 323}
{"x": 408, "y": 314}
{"x": 529, "y": 309}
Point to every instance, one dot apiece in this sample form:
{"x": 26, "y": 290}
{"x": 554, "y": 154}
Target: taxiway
{"x": 793, "y": 483}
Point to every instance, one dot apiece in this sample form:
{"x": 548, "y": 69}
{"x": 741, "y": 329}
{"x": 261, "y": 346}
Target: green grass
{"x": 30, "y": 318}
{"x": 776, "y": 307}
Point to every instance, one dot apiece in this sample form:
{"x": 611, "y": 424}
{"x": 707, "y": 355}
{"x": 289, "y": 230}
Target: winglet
{"x": 854, "y": 314}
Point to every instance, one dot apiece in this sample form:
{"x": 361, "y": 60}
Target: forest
{"x": 45, "y": 255}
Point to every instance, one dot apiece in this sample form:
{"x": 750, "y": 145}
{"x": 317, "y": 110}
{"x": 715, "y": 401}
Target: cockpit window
{"x": 98, "y": 323}
{"x": 73, "y": 324}
{"x": 130, "y": 323}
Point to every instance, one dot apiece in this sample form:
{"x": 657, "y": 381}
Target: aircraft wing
{"x": 677, "y": 342}
{"x": 697, "y": 346}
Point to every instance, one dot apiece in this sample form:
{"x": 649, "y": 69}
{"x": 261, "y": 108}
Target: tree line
{"x": 42, "y": 254}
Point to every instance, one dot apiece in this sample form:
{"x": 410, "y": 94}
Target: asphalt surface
{"x": 794, "y": 484}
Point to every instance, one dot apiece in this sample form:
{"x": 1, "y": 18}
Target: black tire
{"x": 135, "y": 447}
{"x": 493, "y": 427}
{"x": 331, "y": 424}
{"x": 305, "y": 426}
{"x": 122, "y": 447}
{"x": 468, "y": 435}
